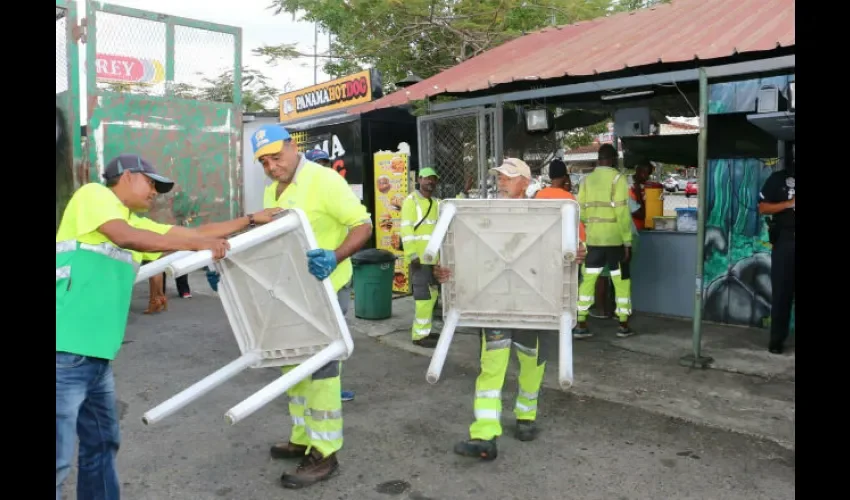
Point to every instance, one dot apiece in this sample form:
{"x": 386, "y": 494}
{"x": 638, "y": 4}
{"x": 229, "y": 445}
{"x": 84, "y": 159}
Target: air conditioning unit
{"x": 791, "y": 94}
{"x": 770, "y": 100}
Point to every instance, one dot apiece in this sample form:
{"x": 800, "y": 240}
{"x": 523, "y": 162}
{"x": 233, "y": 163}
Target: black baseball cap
{"x": 557, "y": 169}
{"x": 135, "y": 163}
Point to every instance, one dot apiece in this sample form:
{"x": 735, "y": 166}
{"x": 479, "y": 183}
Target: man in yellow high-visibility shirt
{"x": 604, "y": 197}
{"x": 99, "y": 245}
{"x": 419, "y": 214}
{"x": 342, "y": 226}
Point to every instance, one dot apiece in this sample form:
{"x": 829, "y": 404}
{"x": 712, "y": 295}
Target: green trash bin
{"x": 373, "y": 283}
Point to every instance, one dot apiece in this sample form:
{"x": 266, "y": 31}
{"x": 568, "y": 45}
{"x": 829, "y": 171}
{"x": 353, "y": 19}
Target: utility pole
{"x": 315, "y": 53}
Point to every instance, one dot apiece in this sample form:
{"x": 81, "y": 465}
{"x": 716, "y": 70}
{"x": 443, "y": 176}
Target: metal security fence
{"x": 165, "y": 87}
{"x": 68, "y": 148}
{"x": 462, "y": 146}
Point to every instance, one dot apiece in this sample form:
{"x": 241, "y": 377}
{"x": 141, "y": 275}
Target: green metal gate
{"x": 68, "y": 147}
{"x": 140, "y": 67}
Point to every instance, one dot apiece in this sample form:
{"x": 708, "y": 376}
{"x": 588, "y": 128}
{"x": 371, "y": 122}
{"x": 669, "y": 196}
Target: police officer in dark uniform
{"x": 777, "y": 199}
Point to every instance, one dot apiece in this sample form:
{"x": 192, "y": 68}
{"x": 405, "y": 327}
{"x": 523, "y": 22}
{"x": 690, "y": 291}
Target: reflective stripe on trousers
{"x": 587, "y": 289}
{"x": 315, "y": 405}
{"x": 495, "y": 356}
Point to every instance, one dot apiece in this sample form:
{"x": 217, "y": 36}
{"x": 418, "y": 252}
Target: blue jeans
{"x": 85, "y": 409}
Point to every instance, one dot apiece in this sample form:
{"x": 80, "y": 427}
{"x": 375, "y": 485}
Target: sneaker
{"x": 526, "y": 430}
{"x": 187, "y": 295}
{"x": 347, "y": 395}
{"x": 624, "y": 331}
{"x": 312, "y": 469}
{"x": 478, "y": 448}
{"x": 282, "y": 451}
{"x": 581, "y": 333}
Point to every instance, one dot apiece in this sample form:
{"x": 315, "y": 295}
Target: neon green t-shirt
{"x": 89, "y": 208}
{"x": 330, "y": 205}
{"x": 92, "y": 206}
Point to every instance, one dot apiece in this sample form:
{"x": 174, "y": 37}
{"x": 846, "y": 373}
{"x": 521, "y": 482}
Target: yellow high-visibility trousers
{"x": 532, "y": 349}
{"x": 595, "y": 261}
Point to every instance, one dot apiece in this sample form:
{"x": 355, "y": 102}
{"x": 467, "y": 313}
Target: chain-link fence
{"x": 61, "y": 49}
{"x": 163, "y": 57}
{"x": 165, "y": 87}
{"x": 462, "y": 147}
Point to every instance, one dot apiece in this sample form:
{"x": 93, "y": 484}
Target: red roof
{"x": 681, "y": 31}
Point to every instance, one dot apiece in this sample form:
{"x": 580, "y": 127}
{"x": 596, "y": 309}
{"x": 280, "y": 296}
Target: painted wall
{"x": 737, "y": 250}
{"x": 253, "y": 179}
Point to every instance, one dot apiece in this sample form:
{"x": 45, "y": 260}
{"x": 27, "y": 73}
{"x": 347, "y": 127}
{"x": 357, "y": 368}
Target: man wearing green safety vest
{"x": 99, "y": 246}
{"x": 419, "y": 214}
{"x": 604, "y": 197}
{"x": 341, "y": 226}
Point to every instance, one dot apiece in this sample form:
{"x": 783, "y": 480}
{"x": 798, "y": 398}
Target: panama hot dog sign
{"x": 335, "y": 94}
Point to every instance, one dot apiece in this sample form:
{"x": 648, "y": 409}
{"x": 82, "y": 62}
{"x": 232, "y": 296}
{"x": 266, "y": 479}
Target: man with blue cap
{"x": 342, "y": 226}
{"x": 100, "y": 243}
{"x": 318, "y": 156}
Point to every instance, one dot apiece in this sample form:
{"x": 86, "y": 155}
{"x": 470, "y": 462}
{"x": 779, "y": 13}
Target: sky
{"x": 205, "y": 52}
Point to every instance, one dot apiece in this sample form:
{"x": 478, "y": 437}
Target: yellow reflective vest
{"x": 603, "y": 196}
{"x": 413, "y": 210}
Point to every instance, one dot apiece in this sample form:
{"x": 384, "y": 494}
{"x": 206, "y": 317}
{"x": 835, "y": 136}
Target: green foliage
{"x": 257, "y": 93}
{"x": 584, "y": 136}
{"x": 630, "y": 5}
{"x": 422, "y": 37}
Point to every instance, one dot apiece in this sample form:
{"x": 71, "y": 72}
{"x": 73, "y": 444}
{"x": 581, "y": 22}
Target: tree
{"x": 423, "y": 37}
{"x": 630, "y": 5}
{"x": 257, "y": 93}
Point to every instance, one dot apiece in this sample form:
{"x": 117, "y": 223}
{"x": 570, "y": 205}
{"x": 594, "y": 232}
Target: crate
{"x": 686, "y": 220}
{"x": 664, "y": 223}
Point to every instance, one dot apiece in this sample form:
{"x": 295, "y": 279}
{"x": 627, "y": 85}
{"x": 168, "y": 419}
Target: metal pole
{"x": 315, "y": 53}
{"x": 696, "y": 359}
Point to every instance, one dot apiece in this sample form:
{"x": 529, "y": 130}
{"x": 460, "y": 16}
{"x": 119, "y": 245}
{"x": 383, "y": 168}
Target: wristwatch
{"x": 251, "y": 222}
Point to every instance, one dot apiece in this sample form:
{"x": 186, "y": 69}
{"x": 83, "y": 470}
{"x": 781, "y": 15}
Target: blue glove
{"x": 321, "y": 263}
{"x": 212, "y": 279}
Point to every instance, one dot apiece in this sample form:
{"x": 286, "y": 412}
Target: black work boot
{"x": 478, "y": 448}
{"x": 526, "y": 430}
{"x": 288, "y": 450}
{"x": 428, "y": 342}
{"x": 312, "y": 469}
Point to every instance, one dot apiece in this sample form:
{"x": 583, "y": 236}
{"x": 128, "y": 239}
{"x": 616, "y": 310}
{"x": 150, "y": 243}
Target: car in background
{"x": 674, "y": 183}
{"x": 691, "y": 188}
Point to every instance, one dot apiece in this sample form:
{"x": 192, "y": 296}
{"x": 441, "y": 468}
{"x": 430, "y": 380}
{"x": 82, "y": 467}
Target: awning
{"x": 780, "y": 124}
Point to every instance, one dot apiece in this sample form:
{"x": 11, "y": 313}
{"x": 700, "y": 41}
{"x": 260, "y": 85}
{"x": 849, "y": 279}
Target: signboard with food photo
{"x": 390, "y": 192}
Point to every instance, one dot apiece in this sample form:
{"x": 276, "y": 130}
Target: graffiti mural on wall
{"x": 737, "y": 249}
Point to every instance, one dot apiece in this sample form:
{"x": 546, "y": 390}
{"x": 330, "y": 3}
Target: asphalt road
{"x": 400, "y": 431}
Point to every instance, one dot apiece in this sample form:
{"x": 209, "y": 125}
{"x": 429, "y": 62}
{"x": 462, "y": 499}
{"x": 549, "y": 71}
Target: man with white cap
{"x": 533, "y": 348}
{"x": 341, "y": 226}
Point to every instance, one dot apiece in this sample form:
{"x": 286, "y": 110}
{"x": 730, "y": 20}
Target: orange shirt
{"x": 553, "y": 193}
{"x": 639, "y": 223}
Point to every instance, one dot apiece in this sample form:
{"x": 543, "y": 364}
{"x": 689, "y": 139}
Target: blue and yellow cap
{"x": 268, "y": 140}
